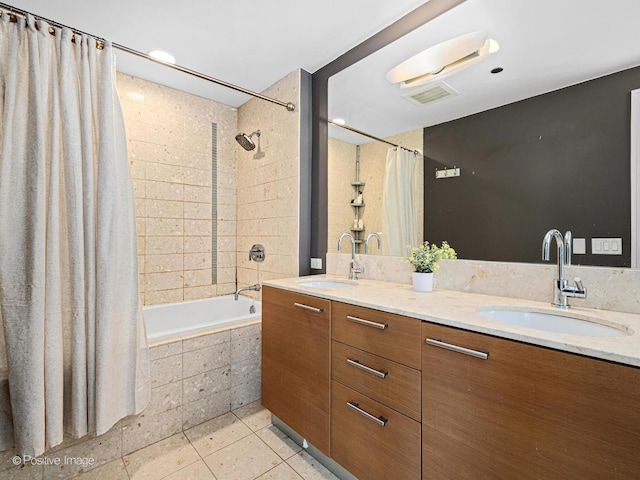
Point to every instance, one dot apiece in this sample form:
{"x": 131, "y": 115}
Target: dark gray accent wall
{"x": 304, "y": 245}
{"x": 320, "y": 80}
{"x": 559, "y": 160}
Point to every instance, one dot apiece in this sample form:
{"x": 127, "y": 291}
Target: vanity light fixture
{"x": 443, "y": 59}
{"x": 163, "y": 56}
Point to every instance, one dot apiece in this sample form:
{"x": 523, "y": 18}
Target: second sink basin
{"x": 551, "y": 322}
{"x": 324, "y": 283}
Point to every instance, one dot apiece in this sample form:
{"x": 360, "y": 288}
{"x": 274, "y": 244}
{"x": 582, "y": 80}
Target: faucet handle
{"x": 579, "y": 284}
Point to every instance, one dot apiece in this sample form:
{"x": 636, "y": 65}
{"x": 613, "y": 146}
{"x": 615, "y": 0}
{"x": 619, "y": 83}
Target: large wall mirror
{"x": 543, "y": 143}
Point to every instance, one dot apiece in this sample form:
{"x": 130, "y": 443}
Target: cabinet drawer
{"x": 296, "y": 362}
{"x": 385, "y": 381}
{"x": 364, "y": 447}
{"x": 385, "y": 334}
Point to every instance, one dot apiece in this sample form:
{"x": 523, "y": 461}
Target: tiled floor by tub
{"x": 240, "y": 445}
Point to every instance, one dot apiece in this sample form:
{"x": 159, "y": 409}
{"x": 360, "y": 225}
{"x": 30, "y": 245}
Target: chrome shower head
{"x": 245, "y": 140}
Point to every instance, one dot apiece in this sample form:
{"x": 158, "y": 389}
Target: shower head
{"x": 245, "y": 140}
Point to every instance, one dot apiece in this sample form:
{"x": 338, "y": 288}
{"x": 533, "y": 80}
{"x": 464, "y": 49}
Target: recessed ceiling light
{"x": 339, "y": 121}
{"x": 162, "y": 56}
{"x": 443, "y": 59}
{"x": 497, "y": 70}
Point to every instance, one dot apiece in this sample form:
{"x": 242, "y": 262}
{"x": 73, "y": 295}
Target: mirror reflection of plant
{"x": 425, "y": 258}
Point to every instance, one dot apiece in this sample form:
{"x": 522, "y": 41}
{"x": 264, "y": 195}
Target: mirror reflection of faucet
{"x": 355, "y": 269}
{"x": 561, "y": 289}
{"x": 366, "y": 242}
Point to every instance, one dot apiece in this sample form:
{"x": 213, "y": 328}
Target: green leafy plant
{"x": 425, "y": 258}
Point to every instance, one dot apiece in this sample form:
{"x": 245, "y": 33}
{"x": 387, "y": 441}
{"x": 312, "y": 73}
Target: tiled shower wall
{"x": 169, "y": 136}
{"x": 268, "y": 187}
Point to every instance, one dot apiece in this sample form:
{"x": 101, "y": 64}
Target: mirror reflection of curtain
{"x": 399, "y": 202}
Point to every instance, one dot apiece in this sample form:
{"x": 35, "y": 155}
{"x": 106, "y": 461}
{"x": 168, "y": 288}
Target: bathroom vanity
{"x": 390, "y": 383}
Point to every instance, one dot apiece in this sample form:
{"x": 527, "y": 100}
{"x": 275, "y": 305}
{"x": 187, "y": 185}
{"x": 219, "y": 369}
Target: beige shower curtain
{"x": 399, "y": 202}
{"x": 74, "y": 338}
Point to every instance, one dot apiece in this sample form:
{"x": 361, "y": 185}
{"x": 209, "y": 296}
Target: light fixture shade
{"x": 440, "y": 61}
{"x": 162, "y": 56}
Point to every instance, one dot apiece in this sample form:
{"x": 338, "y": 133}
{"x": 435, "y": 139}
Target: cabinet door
{"x": 525, "y": 412}
{"x": 371, "y": 440}
{"x": 296, "y": 362}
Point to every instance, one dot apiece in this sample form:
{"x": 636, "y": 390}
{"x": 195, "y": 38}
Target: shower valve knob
{"x": 257, "y": 253}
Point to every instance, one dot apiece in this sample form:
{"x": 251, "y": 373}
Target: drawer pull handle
{"x": 307, "y": 307}
{"x": 377, "y": 373}
{"x": 456, "y": 348}
{"x": 368, "y": 323}
{"x": 379, "y": 420}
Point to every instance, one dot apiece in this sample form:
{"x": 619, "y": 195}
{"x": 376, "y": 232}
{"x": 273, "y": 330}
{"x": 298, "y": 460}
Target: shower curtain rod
{"x": 373, "y": 137}
{"x": 288, "y": 105}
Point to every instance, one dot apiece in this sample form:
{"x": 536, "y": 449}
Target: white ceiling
{"x": 251, "y": 43}
{"x": 544, "y": 45}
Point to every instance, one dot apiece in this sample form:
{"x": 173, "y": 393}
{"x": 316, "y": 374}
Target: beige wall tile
{"x": 198, "y": 244}
{"x": 166, "y": 173}
{"x": 201, "y": 341}
{"x": 197, "y": 227}
{"x": 154, "y": 297}
{"x": 164, "y": 263}
{"x": 206, "y": 291}
{"x": 164, "y": 227}
{"x": 164, "y": 190}
{"x": 197, "y": 261}
{"x": 164, "y": 208}
{"x": 198, "y": 211}
{"x": 196, "y": 193}
{"x": 143, "y": 430}
{"x": 206, "y": 408}
{"x": 205, "y": 359}
{"x": 197, "y": 278}
{"x": 156, "y": 245}
{"x": 164, "y": 281}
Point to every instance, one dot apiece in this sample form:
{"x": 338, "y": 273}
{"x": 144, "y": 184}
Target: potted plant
{"x": 425, "y": 260}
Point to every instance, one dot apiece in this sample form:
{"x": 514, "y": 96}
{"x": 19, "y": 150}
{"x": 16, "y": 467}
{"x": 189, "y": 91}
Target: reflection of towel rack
{"x": 448, "y": 172}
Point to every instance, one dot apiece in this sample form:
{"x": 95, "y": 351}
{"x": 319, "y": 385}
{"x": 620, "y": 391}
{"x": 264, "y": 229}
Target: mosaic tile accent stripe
{"x": 214, "y": 203}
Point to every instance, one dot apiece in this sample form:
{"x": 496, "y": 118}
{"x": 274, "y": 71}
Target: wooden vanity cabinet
{"x": 525, "y": 412}
{"x": 296, "y": 362}
{"x": 375, "y": 397}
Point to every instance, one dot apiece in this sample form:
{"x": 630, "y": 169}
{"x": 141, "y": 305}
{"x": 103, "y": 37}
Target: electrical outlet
{"x": 579, "y": 246}
{"x": 316, "y": 263}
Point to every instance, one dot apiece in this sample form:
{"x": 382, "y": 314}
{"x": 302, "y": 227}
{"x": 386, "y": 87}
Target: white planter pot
{"x": 422, "y": 282}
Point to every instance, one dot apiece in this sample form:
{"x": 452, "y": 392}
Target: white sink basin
{"x": 326, "y": 284}
{"x": 551, "y": 322}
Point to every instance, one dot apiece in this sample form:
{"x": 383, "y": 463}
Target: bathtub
{"x": 174, "y": 320}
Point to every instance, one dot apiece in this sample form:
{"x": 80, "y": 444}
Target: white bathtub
{"x": 178, "y": 319}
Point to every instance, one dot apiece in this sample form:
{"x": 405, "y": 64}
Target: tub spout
{"x": 255, "y": 287}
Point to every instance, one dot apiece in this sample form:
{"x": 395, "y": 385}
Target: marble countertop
{"x": 459, "y": 309}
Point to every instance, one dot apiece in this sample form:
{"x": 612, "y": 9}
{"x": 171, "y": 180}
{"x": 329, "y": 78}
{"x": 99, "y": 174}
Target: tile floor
{"x": 240, "y": 445}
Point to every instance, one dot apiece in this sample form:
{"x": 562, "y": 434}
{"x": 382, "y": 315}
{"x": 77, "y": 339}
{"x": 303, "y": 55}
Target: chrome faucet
{"x": 255, "y": 287}
{"x": 561, "y": 289}
{"x": 366, "y": 242}
{"x": 355, "y": 268}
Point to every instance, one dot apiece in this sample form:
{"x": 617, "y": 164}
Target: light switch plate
{"x": 606, "y": 246}
{"x": 316, "y": 263}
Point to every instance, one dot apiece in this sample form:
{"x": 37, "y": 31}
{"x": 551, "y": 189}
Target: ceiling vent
{"x": 430, "y": 94}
